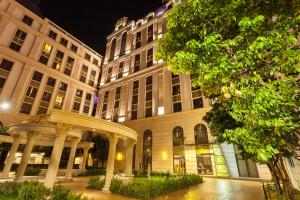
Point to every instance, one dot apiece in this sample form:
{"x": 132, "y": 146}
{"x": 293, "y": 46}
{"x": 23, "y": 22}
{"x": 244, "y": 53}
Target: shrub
{"x": 96, "y": 183}
{"x": 94, "y": 172}
{"x": 151, "y": 189}
{"x": 31, "y": 171}
{"x": 9, "y": 188}
{"x": 62, "y": 193}
{"x": 33, "y": 191}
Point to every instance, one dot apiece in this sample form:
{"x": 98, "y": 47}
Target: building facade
{"x": 42, "y": 67}
{"x": 164, "y": 108}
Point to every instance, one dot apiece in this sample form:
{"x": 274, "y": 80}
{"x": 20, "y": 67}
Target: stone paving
{"x": 211, "y": 189}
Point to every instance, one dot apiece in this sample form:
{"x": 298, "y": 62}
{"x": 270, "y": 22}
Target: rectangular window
{"x": 137, "y": 63}
{"x": 5, "y": 68}
{"x": 44, "y": 103}
{"x": 148, "y": 103}
{"x": 109, "y": 74}
{"x": 150, "y": 34}
{"x": 149, "y": 57}
{"x": 87, "y": 103}
{"x": 63, "y": 42}
{"x": 18, "y": 40}
{"x": 176, "y": 97}
{"x": 135, "y": 98}
{"x": 45, "y": 54}
{"x": 74, "y": 48}
{"x": 95, "y": 61}
{"x": 58, "y": 60}
{"x": 31, "y": 93}
{"x": 92, "y": 78}
{"x": 87, "y": 56}
{"x": 83, "y": 73}
{"x": 138, "y": 41}
{"x": 27, "y": 20}
{"x": 52, "y": 35}
{"x": 77, "y": 100}
{"x": 104, "y": 107}
{"x": 117, "y": 105}
{"x": 69, "y": 66}
{"x": 60, "y": 97}
{"x": 196, "y": 93}
{"x": 121, "y": 70}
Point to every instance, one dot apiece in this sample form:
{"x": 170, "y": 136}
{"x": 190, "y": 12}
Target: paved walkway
{"x": 211, "y": 189}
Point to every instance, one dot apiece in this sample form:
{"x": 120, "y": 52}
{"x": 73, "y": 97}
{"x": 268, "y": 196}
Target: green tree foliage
{"x": 99, "y": 150}
{"x": 246, "y": 54}
{"x": 4, "y": 147}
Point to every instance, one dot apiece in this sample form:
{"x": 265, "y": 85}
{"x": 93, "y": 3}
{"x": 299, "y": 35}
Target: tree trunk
{"x": 275, "y": 177}
{"x": 286, "y": 181}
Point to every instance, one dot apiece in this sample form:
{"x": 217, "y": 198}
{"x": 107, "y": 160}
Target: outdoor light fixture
{"x": 4, "y": 106}
{"x": 126, "y": 74}
{"x": 161, "y": 110}
{"x": 164, "y": 155}
{"x": 119, "y": 156}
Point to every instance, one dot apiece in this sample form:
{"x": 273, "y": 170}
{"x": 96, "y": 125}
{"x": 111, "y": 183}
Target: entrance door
{"x": 204, "y": 164}
{"x": 179, "y": 165}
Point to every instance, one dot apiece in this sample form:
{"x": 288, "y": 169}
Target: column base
{"x": 105, "y": 190}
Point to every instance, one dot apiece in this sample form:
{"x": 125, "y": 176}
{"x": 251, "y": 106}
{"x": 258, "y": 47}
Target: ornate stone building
{"x": 164, "y": 108}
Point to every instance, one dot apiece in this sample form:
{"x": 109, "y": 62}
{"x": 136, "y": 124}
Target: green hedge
{"x": 31, "y": 171}
{"x": 94, "y": 172}
{"x": 33, "y": 191}
{"x": 96, "y": 183}
{"x": 154, "y": 188}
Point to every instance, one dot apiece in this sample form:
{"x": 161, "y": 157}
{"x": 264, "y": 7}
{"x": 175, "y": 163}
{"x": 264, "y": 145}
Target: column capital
{"x": 16, "y": 138}
{"x": 75, "y": 141}
{"x": 63, "y": 129}
{"x": 113, "y": 137}
{"x": 129, "y": 143}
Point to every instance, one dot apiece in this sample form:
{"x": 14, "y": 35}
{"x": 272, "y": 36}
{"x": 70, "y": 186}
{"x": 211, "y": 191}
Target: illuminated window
{"x": 46, "y": 51}
{"x": 83, "y": 73}
{"x": 58, "y": 60}
{"x": 137, "y": 63}
{"x": 176, "y": 97}
{"x": 138, "y": 41}
{"x": 69, "y": 66}
{"x": 46, "y": 98}
{"x": 149, "y": 57}
{"x": 18, "y": 40}
{"x": 148, "y": 103}
{"x": 201, "y": 136}
{"x": 77, "y": 100}
{"x": 178, "y": 150}
{"x": 178, "y": 139}
{"x": 135, "y": 97}
{"x": 123, "y": 44}
{"x": 150, "y": 34}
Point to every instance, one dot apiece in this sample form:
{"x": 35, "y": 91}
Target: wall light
{"x": 102, "y": 83}
{"x": 119, "y": 156}
{"x": 160, "y": 35}
{"x": 161, "y": 110}
{"x": 113, "y": 78}
{"x": 160, "y": 61}
{"x": 164, "y": 155}
{"x": 4, "y": 106}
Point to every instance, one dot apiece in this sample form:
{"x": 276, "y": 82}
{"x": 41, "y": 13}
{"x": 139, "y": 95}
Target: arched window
{"x": 147, "y": 150}
{"x": 201, "y": 136}
{"x": 112, "y": 49}
{"x": 178, "y": 139}
{"x": 123, "y": 44}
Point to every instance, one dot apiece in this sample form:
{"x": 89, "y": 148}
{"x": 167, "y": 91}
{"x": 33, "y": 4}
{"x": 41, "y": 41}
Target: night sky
{"x": 91, "y": 21}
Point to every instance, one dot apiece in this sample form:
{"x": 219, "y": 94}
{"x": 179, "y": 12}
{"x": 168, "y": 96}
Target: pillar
{"x": 110, "y": 162}
{"x": 26, "y": 156}
{"x": 129, "y": 144}
{"x": 11, "y": 157}
{"x": 84, "y": 159}
{"x": 61, "y": 134}
{"x": 72, "y": 158}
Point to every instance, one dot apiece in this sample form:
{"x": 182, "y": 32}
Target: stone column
{"x": 84, "y": 159}
{"x": 72, "y": 158}
{"x": 11, "y": 157}
{"x": 26, "y": 156}
{"x": 110, "y": 162}
{"x": 129, "y": 144}
{"x": 61, "y": 131}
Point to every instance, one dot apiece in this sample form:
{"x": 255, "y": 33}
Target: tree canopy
{"x": 246, "y": 55}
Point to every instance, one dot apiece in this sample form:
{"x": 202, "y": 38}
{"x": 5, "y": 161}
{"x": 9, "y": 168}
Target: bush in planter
{"x": 62, "y": 193}
{"x": 33, "y": 191}
{"x": 9, "y": 188}
{"x": 31, "y": 171}
{"x": 96, "y": 183}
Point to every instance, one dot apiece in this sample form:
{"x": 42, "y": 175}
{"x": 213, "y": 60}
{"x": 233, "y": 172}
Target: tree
{"x": 100, "y": 149}
{"x": 246, "y": 56}
{"x": 4, "y": 147}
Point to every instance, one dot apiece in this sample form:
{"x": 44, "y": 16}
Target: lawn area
{"x": 8, "y": 197}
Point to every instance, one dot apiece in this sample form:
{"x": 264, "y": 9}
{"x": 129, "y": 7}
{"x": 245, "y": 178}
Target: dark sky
{"x": 92, "y": 20}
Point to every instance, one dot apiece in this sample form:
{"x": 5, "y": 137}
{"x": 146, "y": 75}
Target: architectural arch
{"x": 147, "y": 150}
{"x": 201, "y": 135}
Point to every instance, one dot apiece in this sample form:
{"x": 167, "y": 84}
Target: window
{"x": 18, "y": 40}
{"x": 92, "y": 78}
{"x": 109, "y": 74}
{"x": 176, "y": 97}
{"x": 196, "y": 93}
{"x": 137, "y": 62}
{"x": 87, "y": 103}
{"x": 178, "y": 138}
{"x": 77, "y": 101}
{"x": 123, "y": 44}
{"x": 138, "y": 41}
{"x": 83, "y": 73}
{"x": 178, "y": 150}
{"x": 60, "y": 97}
{"x": 95, "y": 61}
{"x": 74, "y": 48}
{"x": 27, "y": 20}
{"x": 148, "y": 103}
{"x": 147, "y": 150}
{"x": 135, "y": 97}
{"x": 117, "y": 104}
{"x": 5, "y": 68}
{"x": 46, "y": 98}
{"x": 104, "y": 107}
{"x": 87, "y": 56}
{"x": 52, "y": 35}
{"x": 149, "y": 57}
{"x": 69, "y": 66}
{"x": 121, "y": 70}
{"x": 46, "y": 52}
{"x": 31, "y": 93}
{"x": 112, "y": 50}
{"x": 201, "y": 136}
{"x": 150, "y": 34}
{"x": 58, "y": 60}
{"x": 63, "y": 42}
